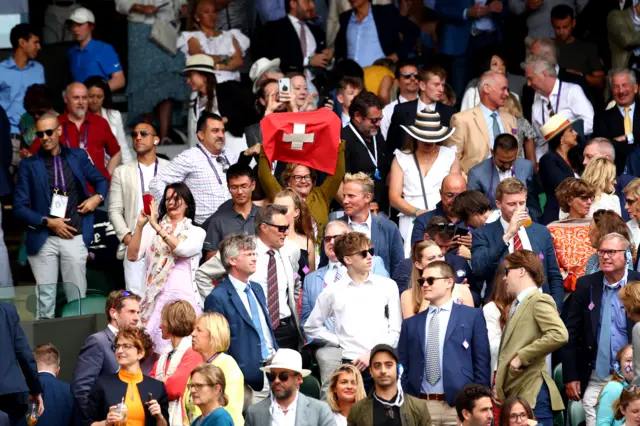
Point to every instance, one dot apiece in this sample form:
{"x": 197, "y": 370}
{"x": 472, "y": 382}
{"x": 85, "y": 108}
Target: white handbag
{"x": 165, "y": 36}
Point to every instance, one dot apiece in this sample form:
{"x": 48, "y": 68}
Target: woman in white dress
{"x": 100, "y": 104}
{"x": 412, "y": 191}
{"x": 601, "y": 173}
{"x": 345, "y": 389}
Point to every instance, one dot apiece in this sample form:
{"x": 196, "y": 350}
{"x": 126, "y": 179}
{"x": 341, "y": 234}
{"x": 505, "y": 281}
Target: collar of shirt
{"x": 621, "y": 283}
{"x": 11, "y": 64}
{"x": 295, "y": 21}
{"x": 524, "y": 293}
{"x": 366, "y": 222}
{"x": 291, "y": 410}
{"x": 632, "y": 108}
{"x": 223, "y": 153}
{"x": 113, "y": 329}
{"x": 354, "y": 18}
{"x": 505, "y": 224}
{"x": 487, "y": 113}
{"x": 87, "y": 48}
{"x": 261, "y": 248}
{"x": 333, "y": 264}
{"x": 46, "y": 372}
{"x": 446, "y": 307}
{"x": 237, "y": 284}
{"x": 401, "y": 99}
{"x": 422, "y": 106}
{"x": 64, "y": 118}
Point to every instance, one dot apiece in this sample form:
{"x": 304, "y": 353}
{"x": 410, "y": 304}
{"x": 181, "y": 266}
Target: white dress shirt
{"x": 443, "y": 322}
{"x": 240, "y": 289}
{"x": 573, "y": 104}
{"x": 360, "y": 311}
{"x": 364, "y": 227}
{"x": 632, "y": 108}
{"x": 387, "y": 113}
{"x": 332, "y": 269}
{"x": 522, "y": 233}
{"x": 503, "y": 175}
{"x": 494, "y": 331}
{"x": 422, "y": 106}
{"x": 260, "y": 276}
{"x": 345, "y": 119}
{"x": 279, "y": 417}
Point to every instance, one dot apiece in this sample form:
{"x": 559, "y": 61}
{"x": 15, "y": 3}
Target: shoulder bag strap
{"x": 424, "y": 193}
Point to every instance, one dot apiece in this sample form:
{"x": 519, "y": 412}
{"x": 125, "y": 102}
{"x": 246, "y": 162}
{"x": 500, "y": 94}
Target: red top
{"x": 176, "y": 384}
{"x": 99, "y": 135}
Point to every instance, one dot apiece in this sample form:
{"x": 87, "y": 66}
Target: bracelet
{"x": 416, "y": 211}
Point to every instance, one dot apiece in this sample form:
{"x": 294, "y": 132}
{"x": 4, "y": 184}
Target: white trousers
{"x": 329, "y": 359}
{"x": 590, "y": 397}
{"x": 68, "y": 256}
{"x": 134, "y": 276}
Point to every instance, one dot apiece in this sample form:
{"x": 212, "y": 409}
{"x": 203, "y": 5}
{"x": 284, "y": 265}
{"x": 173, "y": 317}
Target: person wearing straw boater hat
{"x": 425, "y": 146}
{"x": 202, "y": 81}
{"x": 557, "y": 164}
{"x": 478, "y": 127}
{"x": 285, "y": 374}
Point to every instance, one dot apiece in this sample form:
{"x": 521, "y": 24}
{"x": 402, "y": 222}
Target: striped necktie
{"x": 273, "y": 298}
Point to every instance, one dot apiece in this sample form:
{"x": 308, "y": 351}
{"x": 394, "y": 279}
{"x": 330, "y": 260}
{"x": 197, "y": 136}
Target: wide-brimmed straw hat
{"x": 428, "y": 128}
{"x": 201, "y": 63}
{"x": 557, "y": 124}
{"x": 287, "y": 359}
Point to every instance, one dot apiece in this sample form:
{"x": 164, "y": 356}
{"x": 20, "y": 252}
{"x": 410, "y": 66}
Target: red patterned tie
{"x": 273, "y": 299}
{"x": 517, "y": 243}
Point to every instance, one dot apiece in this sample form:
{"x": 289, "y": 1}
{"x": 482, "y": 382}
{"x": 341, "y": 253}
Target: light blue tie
{"x": 603, "y": 360}
{"x": 255, "y": 318}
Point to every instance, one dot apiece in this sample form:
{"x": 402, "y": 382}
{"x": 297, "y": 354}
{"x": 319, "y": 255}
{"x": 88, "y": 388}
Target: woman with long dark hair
{"x": 202, "y": 81}
{"x": 172, "y": 246}
{"x": 516, "y": 411}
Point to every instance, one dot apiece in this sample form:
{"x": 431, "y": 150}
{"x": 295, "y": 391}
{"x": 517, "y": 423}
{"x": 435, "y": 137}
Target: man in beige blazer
{"x": 477, "y": 128}
{"x": 522, "y": 367}
{"x": 128, "y": 183}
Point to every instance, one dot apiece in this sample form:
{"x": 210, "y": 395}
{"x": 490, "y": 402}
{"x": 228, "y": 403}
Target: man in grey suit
{"x": 486, "y": 176}
{"x": 285, "y": 374}
{"x": 97, "y": 356}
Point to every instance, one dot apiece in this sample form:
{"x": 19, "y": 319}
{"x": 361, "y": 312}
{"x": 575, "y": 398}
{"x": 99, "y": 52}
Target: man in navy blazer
{"x": 486, "y": 176}
{"x": 385, "y": 236}
{"x": 97, "y": 356}
{"x": 18, "y": 370}
{"x": 6, "y": 154}
{"x": 492, "y": 242}
{"x": 53, "y": 199}
{"x": 243, "y": 304}
{"x": 443, "y": 348}
{"x": 56, "y": 393}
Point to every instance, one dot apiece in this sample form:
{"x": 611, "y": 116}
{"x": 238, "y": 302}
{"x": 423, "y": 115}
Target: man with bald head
{"x": 128, "y": 183}
{"x": 477, "y": 128}
{"x": 52, "y": 198}
{"x": 85, "y": 130}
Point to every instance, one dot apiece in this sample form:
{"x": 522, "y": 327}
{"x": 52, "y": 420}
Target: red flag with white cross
{"x": 309, "y": 138}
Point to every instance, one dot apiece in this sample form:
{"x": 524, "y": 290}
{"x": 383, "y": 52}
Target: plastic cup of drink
{"x": 527, "y": 222}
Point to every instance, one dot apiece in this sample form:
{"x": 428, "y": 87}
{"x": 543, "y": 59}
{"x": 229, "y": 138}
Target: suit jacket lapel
{"x": 514, "y": 320}
{"x": 478, "y": 117}
{"x": 532, "y": 239}
{"x": 41, "y": 175}
{"x": 295, "y": 40}
{"x": 635, "y": 120}
{"x": 596, "y": 299}
{"x": 453, "y": 321}
{"x": 235, "y": 299}
{"x": 301, "y": 408}
{"x": 422, "y": 332}
{"x": 375, "y": 234}
{"x": 77, "y": 172}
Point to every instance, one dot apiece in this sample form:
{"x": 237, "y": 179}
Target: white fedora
{"x": 259, "y": 67}
{"x": 287, "y": 359}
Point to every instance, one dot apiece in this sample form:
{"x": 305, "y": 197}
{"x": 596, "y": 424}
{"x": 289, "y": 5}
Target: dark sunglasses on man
{"x": 283, "y": 376}
{"x": 48, "y": 132}
{"x": 364, "y": 253}
{"x": 430, "y": 280}
{"x": 143, "y": 133}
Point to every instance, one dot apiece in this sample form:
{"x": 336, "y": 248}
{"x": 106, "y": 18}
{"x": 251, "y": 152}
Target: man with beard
{"x": 85, "y": 130}
{"x": 474, "y": 406}
{"x": 128, "y": 183}
{"x": 388, "y": 404}
{"x": 365, "y": 148}
{"x": 285, "y": 374}
{"x": 503, "y": 164}
{"x": 203, "y": 168}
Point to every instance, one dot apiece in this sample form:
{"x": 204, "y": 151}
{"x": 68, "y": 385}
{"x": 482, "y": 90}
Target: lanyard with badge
{"x": 549, "y": 105}
{"x": 59, "y": 201}
{"x": 83, "y": 143}
{"x": 374, "y": 159}
{"x": 493, "y": 172}
{"x": 211, "y": 163}
{"x": 155, "y": 172}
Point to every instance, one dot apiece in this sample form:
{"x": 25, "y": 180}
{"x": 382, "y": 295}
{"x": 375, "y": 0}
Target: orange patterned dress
{"x": 573, "y": 248}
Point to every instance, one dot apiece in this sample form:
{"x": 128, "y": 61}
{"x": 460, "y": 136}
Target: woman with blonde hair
{"x": 622, "y": 376}
{"x": 207, "y": 385}
{"x": 632, "y": 194}
{"x": 211, "y": 338}
{"x": 345, "y": 389}
{"x": 412, "y": 299}
{"x": 526, "y": 134}
{"x": 601, "y": 173}
{"x": 627, "y": 406}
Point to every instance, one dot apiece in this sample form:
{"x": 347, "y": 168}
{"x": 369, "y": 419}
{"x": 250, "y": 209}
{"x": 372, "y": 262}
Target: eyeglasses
{"x": 125, "y": 346}
{"x": 48, "y": 132}
{"x": 281, "y": 228}
{"x": 506, "y": 270}
{"x": 375, "y": 120}
{"x": 610, "y": 253}
{"x": 143, "y": 133}
{"x": 235, "y": 188}
{"x": 123, "y": 294}
{"x": 283, "y": 376}
{"x": 518, "y": 417}
{"x": 328, "y": 238}
{"x": 430, "y": 280}
{"x": 586, "y": 198}
{"x": 298, "y": 178}
{"x": 408, "y": 75}
{"x": 223, "y": 162}
{"x": 363, "y": 253}
{"x": 198, "y": 386}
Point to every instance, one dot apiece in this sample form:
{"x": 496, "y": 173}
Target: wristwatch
{"x": 45, "y": 221}
{"x": 101, "y": 197}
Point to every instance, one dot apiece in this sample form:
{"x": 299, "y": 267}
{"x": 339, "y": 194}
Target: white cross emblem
{"x": 298, "y": 137}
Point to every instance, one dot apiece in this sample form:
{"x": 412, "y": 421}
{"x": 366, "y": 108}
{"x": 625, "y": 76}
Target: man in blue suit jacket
{"x": 492, "y": 242}
{"x": 6, "y": 154}
{"x": 443, "y": 348}
{"x": 18, "y": 370}
{"x": 53, "y": 199}
{"x": 486, "y": 176}
{"x": 243, "y": 304}
{"x": 384, "y": 235}
{"x": 56, "y": 393}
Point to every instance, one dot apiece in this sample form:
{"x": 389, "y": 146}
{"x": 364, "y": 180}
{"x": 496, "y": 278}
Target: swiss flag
{"x": 309, "y": 138}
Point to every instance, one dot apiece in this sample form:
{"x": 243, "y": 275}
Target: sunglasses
{"x": 375, "y": 120}
{"x": 281, "y": 228}
{"x": 143, "y": 133}
{"x": 630, "y": 201}
{"x": 408, "y": 75}
{"x": 283, "y": 376}
{"x": 223, "y": 162}
{"x": 586, "y": 198}
{"x": 364, "y": 253}
{"x": 430, "y": 280}
{"x": 631, "y": 389}
{"x": 48, "y": 132}
{"x": 328, "y": 238}
{"x": 123, "y": 294}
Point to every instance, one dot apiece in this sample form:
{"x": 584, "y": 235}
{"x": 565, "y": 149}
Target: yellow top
{"x": 135, "y": 409}
{"x": 373, "y": 76}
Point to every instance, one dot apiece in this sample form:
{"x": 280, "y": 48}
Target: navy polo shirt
{"x": 97, "y": 58}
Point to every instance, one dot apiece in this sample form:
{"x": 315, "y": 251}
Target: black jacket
{"x": 610, "y": 124}
{"x": 553, "y": 170}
